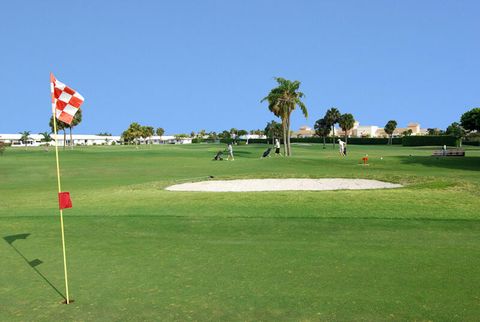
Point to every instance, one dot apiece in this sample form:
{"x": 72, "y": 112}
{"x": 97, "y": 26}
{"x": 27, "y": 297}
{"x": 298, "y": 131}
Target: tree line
{"x": 135, "y": 132}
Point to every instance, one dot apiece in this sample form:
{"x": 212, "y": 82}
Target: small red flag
{"x": 64, "y": 200}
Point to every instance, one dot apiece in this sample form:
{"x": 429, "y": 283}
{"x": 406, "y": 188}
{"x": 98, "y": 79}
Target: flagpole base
{"x": 69, "y": 302}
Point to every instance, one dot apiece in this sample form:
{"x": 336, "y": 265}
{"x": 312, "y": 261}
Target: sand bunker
{"x": 282, "y": 185}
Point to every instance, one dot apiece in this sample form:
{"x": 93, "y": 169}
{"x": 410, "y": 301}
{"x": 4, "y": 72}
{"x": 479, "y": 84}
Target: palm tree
{"x": 60, "y": 126}
{"x": 77, "y": 119}
{"x": 346, "y": 122}
{"x": 282, "y": 101}
{"x": 133, "y": 133}
{"x": 160, "y": 131}
{"x": 273, "y": 130}
{"x": 322, "y": 128}
{"x": 332, "y": 116}
{"x": 389, "y": 129}
{"x": 25, "y": 136}
{"x": 46, "y": 138}
{"x": 147, "y": 132}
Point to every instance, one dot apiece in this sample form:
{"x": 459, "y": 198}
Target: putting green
{"x": 139, "y": 252}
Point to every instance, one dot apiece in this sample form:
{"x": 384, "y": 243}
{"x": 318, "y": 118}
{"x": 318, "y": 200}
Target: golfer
{"x": 230, "y": 152}
{"x": 341, "y": 147}
{"x": 277, "y": 147}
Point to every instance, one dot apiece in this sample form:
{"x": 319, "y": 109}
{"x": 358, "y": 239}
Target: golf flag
{"x": 66, "y": 100}
{"x": 64, "y": 200}
{"x": 65, "y": 104}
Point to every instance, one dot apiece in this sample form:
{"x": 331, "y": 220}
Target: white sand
{"x": 282, "y": 185}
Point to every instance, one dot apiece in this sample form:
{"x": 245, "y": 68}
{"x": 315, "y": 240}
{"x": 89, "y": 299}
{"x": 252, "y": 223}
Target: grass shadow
{"x": 457, "y": 163}
{"x": 32, "y": 263}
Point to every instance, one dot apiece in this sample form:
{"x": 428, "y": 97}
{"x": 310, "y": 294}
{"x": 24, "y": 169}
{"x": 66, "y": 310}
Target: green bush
{"x": 429, "y": 140}
{"x": 328, "y": 140}
{"x": 473, "y": 143}
{"x": 257, "y": 141}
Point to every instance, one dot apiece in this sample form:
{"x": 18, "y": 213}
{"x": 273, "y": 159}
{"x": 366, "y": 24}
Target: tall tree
{"x": 389, "y": 129}
{"x": 322, "y": 129}
{"x": 224, "y": 134}
{"x": 470, "y": 120}
{"x": 24, "y": 138}
{"x": 212, "y": 135}
{"x": 282, "y": 101}
{"x": 160, "y": 131}
{"x": 457, "y": 131}
{"x": 332, "y": 116}
{"x": 346, "y": 122}
{"x": 273, "y": 130}
{"x": 242, "y": 132}
{"x": 133, "y": 133}
{"x": 61, "y": 126}
{"x": 46, "y": 138}
{"x": 77, "y": 119}
{"x": 147, "y": 133}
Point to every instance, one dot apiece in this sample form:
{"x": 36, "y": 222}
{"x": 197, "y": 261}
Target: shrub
{"x": 429, "y": 140}
{"x": 470, "y": 142}
{"x": 202, "y": 140}
{"x": 226, "y": 140}
{"x": 2, "y": 147}
{"x": 328, "y": 140}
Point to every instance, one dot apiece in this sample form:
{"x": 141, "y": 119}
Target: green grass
{"x": 138, "y": 252}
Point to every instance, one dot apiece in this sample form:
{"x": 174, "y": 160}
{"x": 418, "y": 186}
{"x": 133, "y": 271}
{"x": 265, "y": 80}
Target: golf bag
{"x": 218, "y": 156}
{"x": 267, "y": 153}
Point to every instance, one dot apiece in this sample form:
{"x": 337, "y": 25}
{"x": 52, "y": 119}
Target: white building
{"x": 373, "y": 131}
{"x": 87, "y": 139}
{"x": 252, "y": 136}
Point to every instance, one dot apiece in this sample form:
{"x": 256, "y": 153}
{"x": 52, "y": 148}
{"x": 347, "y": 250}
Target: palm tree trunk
{"x": 333, "y": 136}
{"x": 288, "y": 137}
{"x": 324, "y": 141}
{"x": 284, "y": 128}
{"x": 346, "y": 136}
{"x": 71, "y": 141}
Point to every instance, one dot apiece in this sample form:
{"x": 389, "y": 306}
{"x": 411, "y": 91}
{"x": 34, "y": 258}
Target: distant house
{"x": 88, "y": 139}
{"x": 374, "y": 131}
{"x": 303, "y": 132}
{"x": 415, "y": 127}
{"x": 252, "y": 136}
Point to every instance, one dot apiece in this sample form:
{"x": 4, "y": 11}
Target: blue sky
{"x": 191, "y": 65}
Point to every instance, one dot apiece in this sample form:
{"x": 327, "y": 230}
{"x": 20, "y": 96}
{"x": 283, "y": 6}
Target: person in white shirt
{"x": 277, "y": 147}
{"x": 230, "y": 152}
{"x": 341, "y": 147}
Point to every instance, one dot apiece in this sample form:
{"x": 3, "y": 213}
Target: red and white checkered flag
{"x": 65, "y": 100}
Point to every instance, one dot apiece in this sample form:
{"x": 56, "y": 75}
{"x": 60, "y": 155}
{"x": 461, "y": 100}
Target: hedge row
{"x": 429, "y": 140}
{"x": 474, "y": 143}
{"x": 328, "y": 140}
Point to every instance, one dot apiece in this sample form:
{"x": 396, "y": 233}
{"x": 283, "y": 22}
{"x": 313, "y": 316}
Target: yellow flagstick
{"x": 59, "y": 189}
